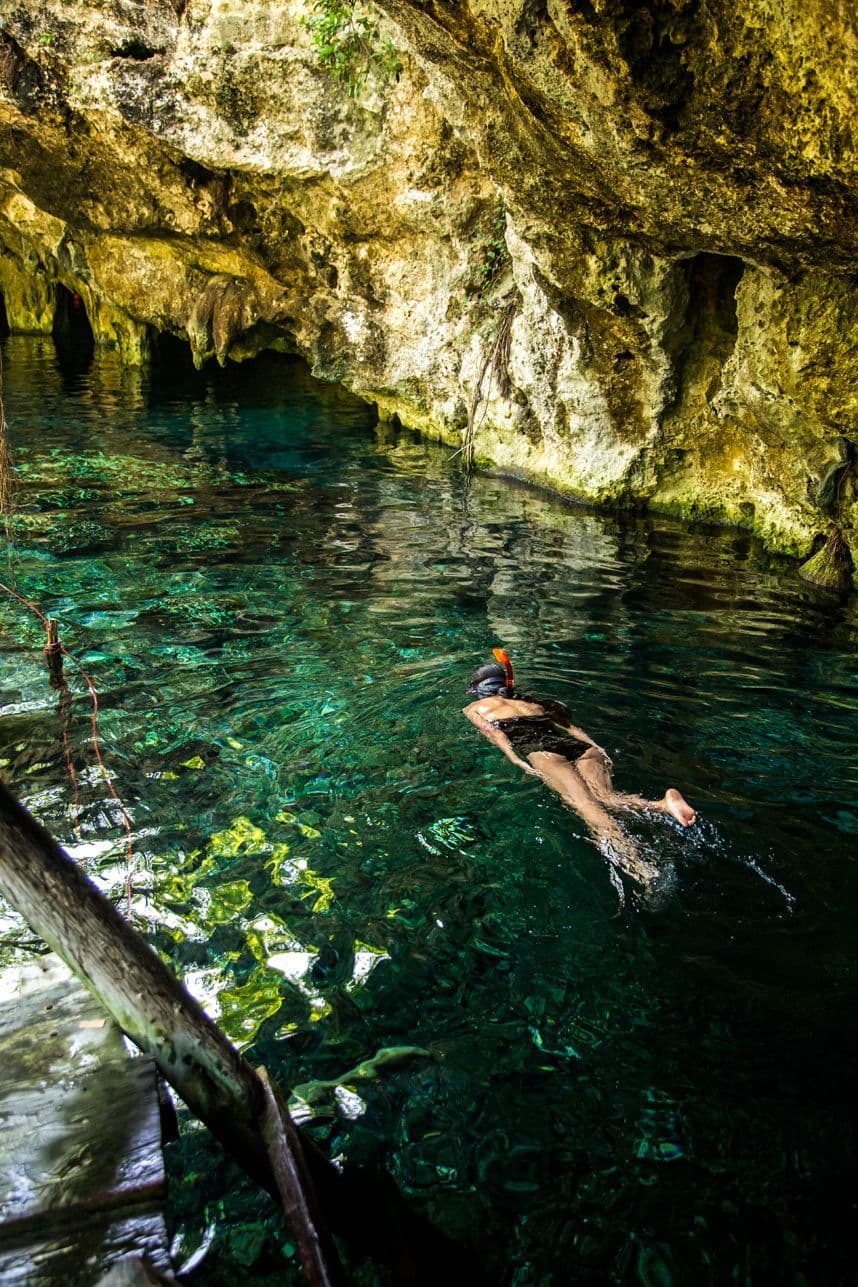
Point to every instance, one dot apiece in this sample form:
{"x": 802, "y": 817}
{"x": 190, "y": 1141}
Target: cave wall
{"x": 605, "y": 245}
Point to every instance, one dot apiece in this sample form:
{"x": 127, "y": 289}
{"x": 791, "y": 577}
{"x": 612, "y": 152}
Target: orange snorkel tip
{"x": 503, "y": 657}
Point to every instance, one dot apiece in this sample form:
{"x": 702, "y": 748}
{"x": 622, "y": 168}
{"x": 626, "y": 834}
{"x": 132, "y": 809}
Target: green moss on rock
{"x": 833, "y": 566}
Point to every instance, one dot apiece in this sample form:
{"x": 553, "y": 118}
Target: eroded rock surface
{"x": 609, "y": 244}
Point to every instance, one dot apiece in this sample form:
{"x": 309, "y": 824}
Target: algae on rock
{"x": 832, "y": 566}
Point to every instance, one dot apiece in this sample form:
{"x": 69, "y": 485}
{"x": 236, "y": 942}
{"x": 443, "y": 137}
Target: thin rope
{"x": 106, "y": 776}
{"x": 63, "y": 711}
{"x": 26, "y": 603}
{"x": 96, "y": 745}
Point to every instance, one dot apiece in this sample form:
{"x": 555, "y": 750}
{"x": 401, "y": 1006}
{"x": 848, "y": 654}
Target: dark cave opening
{"x": 705, "y": 334}
{"x": 170, "y": 352}
{"x": 72, "y": 332}
{"x": 712, "y": 281}
{"x": 4, "y": 320}
{"x": 175, "y": 373}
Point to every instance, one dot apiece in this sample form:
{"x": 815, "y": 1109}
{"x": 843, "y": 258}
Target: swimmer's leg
{"x": 595, "y": 769}
{"x": 563, "y": 777}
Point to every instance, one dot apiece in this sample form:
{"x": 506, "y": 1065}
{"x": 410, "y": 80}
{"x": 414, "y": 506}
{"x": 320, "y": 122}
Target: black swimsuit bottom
{"x": 539, "y": 733}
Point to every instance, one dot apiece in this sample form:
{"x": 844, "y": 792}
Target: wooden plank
{"x": 81, "y": 1170}
{"x": 300, "y": 1204}
{"x": 132, "y": 983}
{"x": 155, "y": 1011}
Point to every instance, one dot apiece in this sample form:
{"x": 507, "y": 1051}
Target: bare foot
{"x": 676, "y": 804}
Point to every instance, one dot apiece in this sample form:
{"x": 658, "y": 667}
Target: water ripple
{"x": 280, "y": 606}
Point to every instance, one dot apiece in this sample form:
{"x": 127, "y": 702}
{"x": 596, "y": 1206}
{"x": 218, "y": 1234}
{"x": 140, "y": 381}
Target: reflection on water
{"x": 279, "y": 605}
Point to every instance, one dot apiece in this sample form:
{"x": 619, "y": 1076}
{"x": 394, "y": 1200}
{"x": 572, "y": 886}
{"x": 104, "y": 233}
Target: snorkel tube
{"x": 502, "y": 656}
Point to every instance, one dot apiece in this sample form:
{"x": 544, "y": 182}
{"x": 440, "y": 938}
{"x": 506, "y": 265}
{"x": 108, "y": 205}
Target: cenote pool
{"x": 279, "y": 602}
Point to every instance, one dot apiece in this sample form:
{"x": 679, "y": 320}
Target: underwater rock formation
{"x": 609, "y": 244}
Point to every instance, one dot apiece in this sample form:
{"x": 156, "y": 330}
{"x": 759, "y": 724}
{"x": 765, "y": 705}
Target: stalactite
{"x": 833, "y": 565}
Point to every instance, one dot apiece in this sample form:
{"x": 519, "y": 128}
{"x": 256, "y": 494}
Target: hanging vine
{"x": 495, "y": 361}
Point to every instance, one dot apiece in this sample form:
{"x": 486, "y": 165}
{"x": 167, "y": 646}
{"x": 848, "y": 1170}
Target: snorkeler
{"x": 538, "y": 735}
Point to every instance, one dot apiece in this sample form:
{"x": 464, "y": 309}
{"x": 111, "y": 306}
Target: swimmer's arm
{"x": 498, "y": 738}
{"x": 578, "y": 733}
{"x": 558, "y": 713}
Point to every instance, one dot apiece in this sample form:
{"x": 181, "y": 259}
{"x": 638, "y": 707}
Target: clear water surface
{"x": 279, "y": 603}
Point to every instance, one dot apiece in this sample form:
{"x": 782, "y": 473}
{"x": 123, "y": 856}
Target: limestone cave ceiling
{"x": 626, "y": 231}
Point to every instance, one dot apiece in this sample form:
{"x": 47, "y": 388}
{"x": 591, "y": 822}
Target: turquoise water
{"x": 279, "y": 604}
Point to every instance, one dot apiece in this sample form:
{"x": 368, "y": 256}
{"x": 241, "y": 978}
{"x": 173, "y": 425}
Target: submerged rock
{"x": 608, "y": 244}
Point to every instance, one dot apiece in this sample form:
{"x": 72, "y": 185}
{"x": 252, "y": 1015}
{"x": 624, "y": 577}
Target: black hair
{"x": 490, "y": 681}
